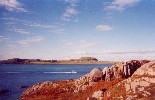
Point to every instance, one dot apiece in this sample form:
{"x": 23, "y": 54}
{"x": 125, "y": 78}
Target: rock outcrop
{"x": 123, "y": 81}
{"x": 48, "y": 90}
{"x": 141, "y": 85}
{"x": 121, "y": 70}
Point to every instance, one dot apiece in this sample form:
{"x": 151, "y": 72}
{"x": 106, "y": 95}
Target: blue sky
{"x": 115, "y": 30}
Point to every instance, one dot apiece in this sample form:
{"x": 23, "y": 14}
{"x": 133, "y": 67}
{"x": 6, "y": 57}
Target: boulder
{"x": 98, "y": 95}
{"x": 96, "y": 74}
{"x": 88, "y": 80}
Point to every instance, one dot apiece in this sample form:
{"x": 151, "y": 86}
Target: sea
{"x": 14, "y": 75}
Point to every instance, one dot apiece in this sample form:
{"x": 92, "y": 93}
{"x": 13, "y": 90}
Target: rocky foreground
{"x": 123, "y": 81}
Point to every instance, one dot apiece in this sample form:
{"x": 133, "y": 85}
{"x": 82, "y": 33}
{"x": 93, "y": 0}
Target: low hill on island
{"x": 82, "y": 60}
{"x": 130, "y": 80}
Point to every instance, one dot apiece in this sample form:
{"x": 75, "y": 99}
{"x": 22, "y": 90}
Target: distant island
{"x": 82, "y": 60}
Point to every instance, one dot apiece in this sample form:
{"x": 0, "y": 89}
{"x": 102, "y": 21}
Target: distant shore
{"x": 82, "y": 60}
{"x": 72, "y": 62}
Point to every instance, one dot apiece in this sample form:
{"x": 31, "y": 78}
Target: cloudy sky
{"x": 114, "y": 30}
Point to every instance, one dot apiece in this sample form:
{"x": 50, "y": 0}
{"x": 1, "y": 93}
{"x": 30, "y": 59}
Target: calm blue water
{"x": 12, "y": 76}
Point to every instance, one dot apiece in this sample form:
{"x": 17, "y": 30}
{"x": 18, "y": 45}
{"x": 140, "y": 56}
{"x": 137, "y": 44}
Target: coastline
{"x": 68, "y": 62}
{"x": 82, "y": 60}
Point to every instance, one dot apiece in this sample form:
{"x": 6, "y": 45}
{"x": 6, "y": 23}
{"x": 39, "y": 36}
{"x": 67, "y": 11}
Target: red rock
{"x": 87, "y": 85}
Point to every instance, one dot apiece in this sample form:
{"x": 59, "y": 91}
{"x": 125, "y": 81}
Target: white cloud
{"x": 71, "y": 10}
{"x": 103, "y": 28}
{"x": 40, "y": 25}
{"x": 51, "y": 28}
{"x": 130, "y": 52}
{"x": 15, "y": 19}
{"x": 120, "y": 55}
{"x": 55, "y": 28}
{"x": 72, "y": 1}
{"x": 120, "y": 52}
{"x": 12, "y": 5}
{"x": 36, "y": 39}
{"x": 2, "y": 38}
{"x": 120, "y": 5}
{"x": 19, "y": 30}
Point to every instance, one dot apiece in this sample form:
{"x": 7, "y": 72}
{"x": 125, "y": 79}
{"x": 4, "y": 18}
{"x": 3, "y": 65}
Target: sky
{"x": 110, "y": 30}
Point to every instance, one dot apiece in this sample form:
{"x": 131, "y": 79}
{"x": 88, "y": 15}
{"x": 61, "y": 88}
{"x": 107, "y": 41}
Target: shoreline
{"x": 76, "y": 63}
{"x": 82, "y": 60}
{"x": 62, "y": 63}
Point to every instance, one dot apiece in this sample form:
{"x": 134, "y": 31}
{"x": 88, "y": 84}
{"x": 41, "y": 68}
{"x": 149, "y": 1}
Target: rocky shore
{"x": 123, "y": 81}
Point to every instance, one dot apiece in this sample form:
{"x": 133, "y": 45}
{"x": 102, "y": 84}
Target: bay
{"x": 12, "y": 76}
